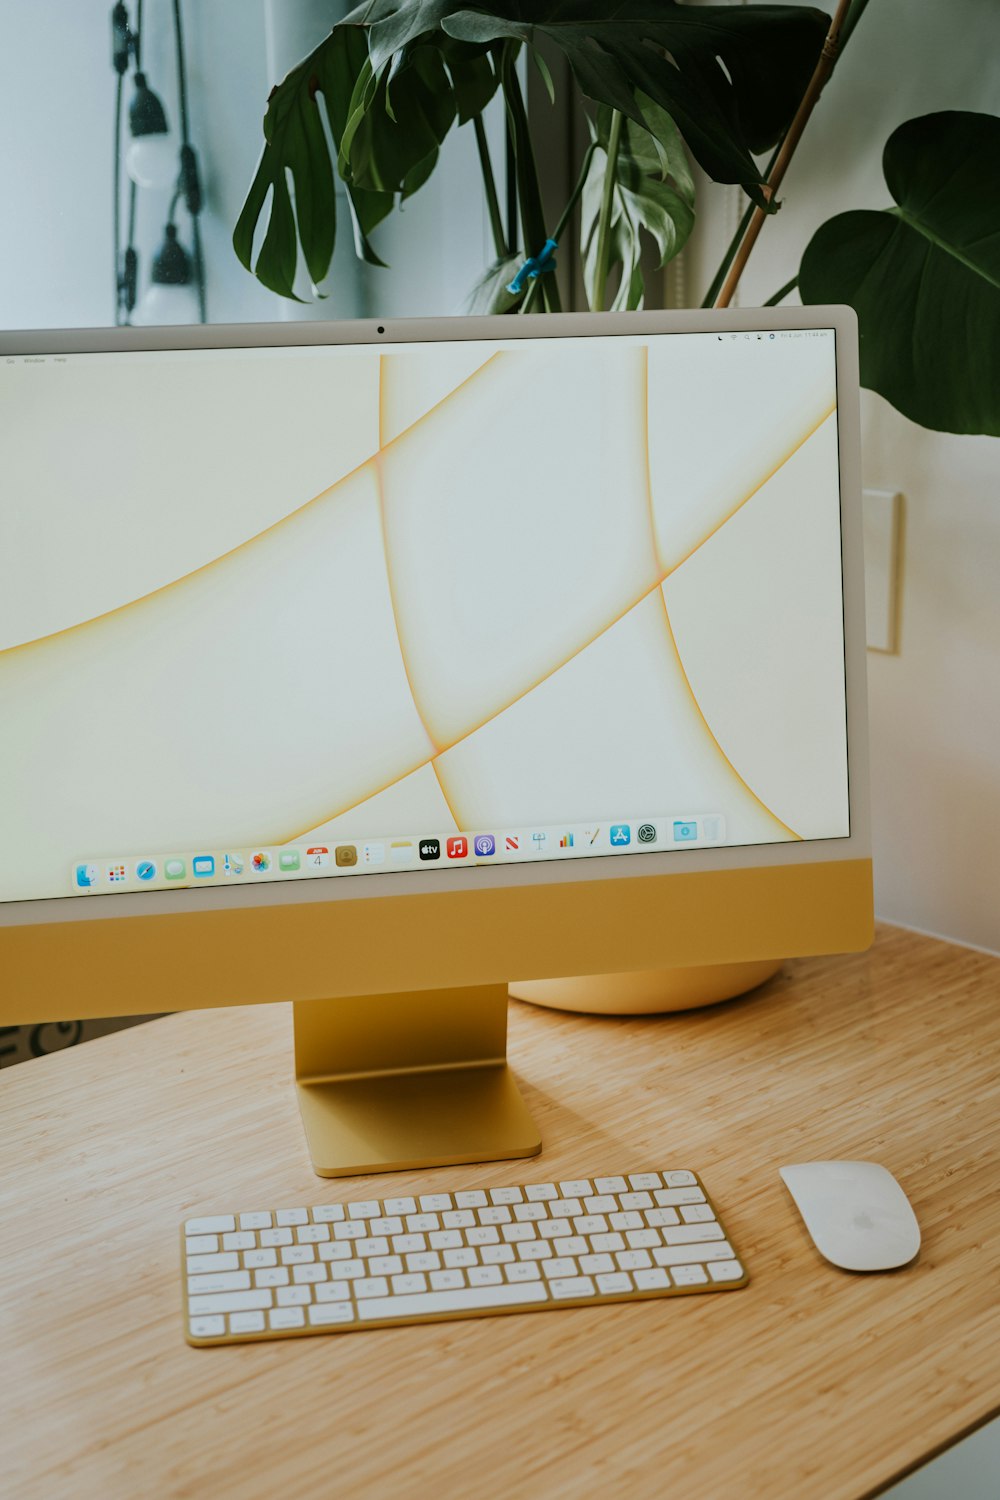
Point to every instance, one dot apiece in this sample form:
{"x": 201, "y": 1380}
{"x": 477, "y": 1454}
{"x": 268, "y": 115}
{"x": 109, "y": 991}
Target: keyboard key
{"x": 610, "y": 1185}
{"x": 256, "y": 1258}
{"x": 384, "y": 1265}
{"x": 513, "y": 1233}
{"x": 207, "y": 1328}
{"x": 464, "y": 1299}
{"x": 304, "y": 1275}
{"x": 725, "y": 1270}
{"x": 500, "y": 1214}
{"x": 651, "y": 1280}
{"x": 687, "y": 1234}
{"x": 541, "y": 1192}
{"x": 645, "y": 1180}
{"x": 636, "y": 1200}
{"x": 446, "y": 1281}
{"x": 201, "y": 1244}
{"x": 614, "y": 1282}
{"x": 220, "y": 1224}
{"x": 590, "y": 1224}
{"x": 534, "y": 1250}
{"x": 603, "y": 1204}
{"x": 337, "y": 1312}
{"x": 679, "y": 1179}
{"x": 657, "y": 1218}
{"x": 312, "y": 1234}
{"x": 493, "y": 1255}
{"x": 293, "y": 1296}
{"x": 522, "y": 1271}
{"x": 287, "y": 1317}
{"x": 367, "y": 1210}
{"x": 631, "y": 1220}
{"x": 464, "y": 1257}
{"x": 376, "y": 1246}
{"x": 565, "y": 1208}
{"x": 689, "y": 1275}
{"x": 672, "y": 1197}
{"x": 241, "y": 1240}
{"x": 696, "y": 1213}
{"x": 276, "y": 1236}
{"x": 336, "y": 1252}
{"x": 506, "y": 1195}
{"x": 633, "y": 1260}
{"x": 198, "y": 1263}
{"x": 248, "y": 1322}
{"x": 224, "y": 1302}
{"x": 297, "y": 1255}
{"x": 222, "y": 1281}
{"x": 271, "y": 1276}
{"x": 328, "y": 1213}
{"x": 253, "y": 1221}
{"x": 560, "y": 1267}
{"x": 424, "y": 1260}
{"x": 333, "y": 1291}
{"x": 285, "y": 1217}
{"x": 400, "y": 1206}
{"x": 385, "y": 1226}
{"x": 435, "y": 1203}
{"x": 601, "y": 1242}
{"x": 573, "y": 1286}
{"x": 402, "y": 1286}
{"x": 446, "y": 1239}
{"x": 485, "y": 1276}
{"x": 474, "y": 1199}
{"x": 574, "y": 1244}
{"x": 530, "y": 1213}
{"x": 421, "y": 1223}
{"x": 371, "y": 1286}
{"x": 356, "y": 1229}
{"x": 459, "y": 1218}
{"x": 408, "y": 1244}
{"x": 577, "y": 1187}
{"x": 554, "y": 1229}
{"x": 643, "y": 1239}
{"x": 483, "y": 1235}
{"x": 680, "y": 1255}
{"x": 592, "y": 1265}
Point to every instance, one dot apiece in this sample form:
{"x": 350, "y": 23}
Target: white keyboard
{"x": 340, "y": 1266}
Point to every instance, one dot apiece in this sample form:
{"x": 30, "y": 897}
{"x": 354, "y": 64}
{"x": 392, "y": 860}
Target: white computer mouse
{"x": 856, "y": 1212}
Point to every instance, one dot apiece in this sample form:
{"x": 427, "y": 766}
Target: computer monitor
{"x": 373, "y": 666}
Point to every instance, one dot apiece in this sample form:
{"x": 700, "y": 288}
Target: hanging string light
{"x": 155, "y": 160}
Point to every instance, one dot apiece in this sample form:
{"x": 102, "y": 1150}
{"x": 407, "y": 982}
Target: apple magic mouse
{"x": 856, "y": 1212}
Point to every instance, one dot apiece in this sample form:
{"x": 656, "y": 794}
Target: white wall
{"x": 56, "y": 118}
{"x": 935, "y": 707}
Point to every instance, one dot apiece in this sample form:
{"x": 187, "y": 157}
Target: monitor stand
{"x": 388, "y": 1082}
{"x": 648, "y": 991}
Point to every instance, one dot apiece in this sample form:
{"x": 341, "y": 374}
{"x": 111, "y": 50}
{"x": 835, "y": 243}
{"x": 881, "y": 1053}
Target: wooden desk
{"x": 811, "y": 1384}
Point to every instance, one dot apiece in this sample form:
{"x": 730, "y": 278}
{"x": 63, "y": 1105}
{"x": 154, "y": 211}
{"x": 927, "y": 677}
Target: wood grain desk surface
{"x": 809, "y": 1383}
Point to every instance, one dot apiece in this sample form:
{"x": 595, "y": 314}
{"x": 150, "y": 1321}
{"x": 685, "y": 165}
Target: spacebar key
{"x": 463, "y": 1299}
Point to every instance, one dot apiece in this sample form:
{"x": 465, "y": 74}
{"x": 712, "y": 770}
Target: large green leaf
{"x": 490, "y": 294}
{"x": 731, "y": 77}
{"x": 653, "y": 191}
{"x": 924, "y": 277}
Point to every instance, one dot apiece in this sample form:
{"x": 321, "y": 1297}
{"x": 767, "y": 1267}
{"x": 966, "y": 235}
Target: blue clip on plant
{"x": 534, "y": 266}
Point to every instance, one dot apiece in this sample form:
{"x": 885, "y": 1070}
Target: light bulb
{"x": 152, "y": 161}
{"x": 161, "y": 306}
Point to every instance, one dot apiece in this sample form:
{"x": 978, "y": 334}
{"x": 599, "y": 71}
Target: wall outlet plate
{"x": 883, "y": 512}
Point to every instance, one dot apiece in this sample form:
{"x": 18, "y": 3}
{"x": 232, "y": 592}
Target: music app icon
{"x": 458, "y": 848}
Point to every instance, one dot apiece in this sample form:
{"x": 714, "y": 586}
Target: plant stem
{"x": 567, "y": 212}
{"x": 607, "y": 203}
{"x": 853, "y": 17}
{"x": 489, "y": 183}
{"x": 824, "y": 67}
{"x": 734, "y": 244}
{"x": 782, "y": 292}
{"x": 528, "y": 191}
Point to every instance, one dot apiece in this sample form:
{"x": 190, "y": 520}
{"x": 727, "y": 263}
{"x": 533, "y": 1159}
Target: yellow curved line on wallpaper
{"x": 609, "y": 625}
{"x": 260, "y": 535}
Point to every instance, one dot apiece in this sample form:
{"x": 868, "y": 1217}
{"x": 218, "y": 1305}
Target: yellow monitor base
{"x": 649, "y": 991}
{"x": 389, "y": 1082}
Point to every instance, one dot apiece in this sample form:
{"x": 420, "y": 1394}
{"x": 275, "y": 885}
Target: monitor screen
{"x": 275, "y": 614}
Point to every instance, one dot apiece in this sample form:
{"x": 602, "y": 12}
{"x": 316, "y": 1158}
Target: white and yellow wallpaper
{"x": 249, "y": 597}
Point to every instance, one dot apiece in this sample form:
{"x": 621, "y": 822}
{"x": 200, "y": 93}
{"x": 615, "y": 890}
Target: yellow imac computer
{"x": 376, "y": 667}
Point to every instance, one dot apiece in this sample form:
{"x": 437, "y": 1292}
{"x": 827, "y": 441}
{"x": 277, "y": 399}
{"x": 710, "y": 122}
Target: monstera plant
{"x": 655, "y": 82}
